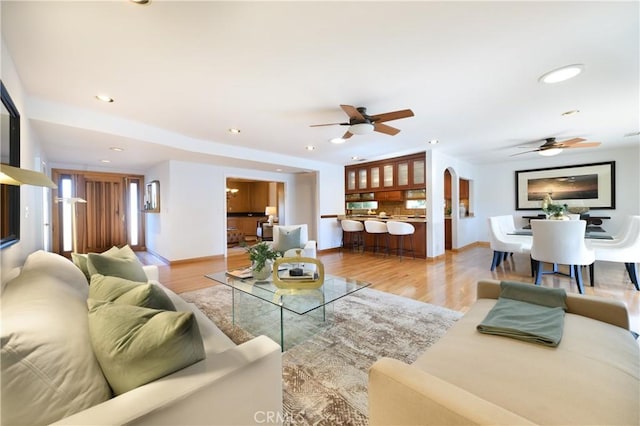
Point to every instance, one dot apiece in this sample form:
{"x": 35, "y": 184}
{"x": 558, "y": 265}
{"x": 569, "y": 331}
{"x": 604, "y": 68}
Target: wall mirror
{"x": 9, "y": 194}
{"x": 152, "y": 197}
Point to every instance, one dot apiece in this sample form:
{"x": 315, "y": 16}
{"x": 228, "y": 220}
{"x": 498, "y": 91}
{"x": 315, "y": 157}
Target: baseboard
{"x": 183, "y": 261}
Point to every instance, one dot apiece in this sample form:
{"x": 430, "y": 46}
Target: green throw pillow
{"x": 120, "y": 290}
{"x": 127, "y": 268}
{"x": 135, "y": 345}
{"x": 80, "y": 260}
{"x": 288, "y": 239}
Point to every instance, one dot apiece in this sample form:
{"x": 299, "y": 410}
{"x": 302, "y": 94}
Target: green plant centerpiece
{"x": 261, "y": 256}
{"x": 553, "y": 211}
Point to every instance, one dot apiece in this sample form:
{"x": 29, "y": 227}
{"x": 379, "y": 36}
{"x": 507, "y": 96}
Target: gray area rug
{"x": 325, "y": 376}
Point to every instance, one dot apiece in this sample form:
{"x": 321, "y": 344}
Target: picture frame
{"x": 152, "y": 197}
{"x": 584, "y": 185}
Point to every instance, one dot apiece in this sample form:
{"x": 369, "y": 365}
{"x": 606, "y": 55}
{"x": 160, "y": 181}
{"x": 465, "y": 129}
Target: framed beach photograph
{"x": 585, "y": 185}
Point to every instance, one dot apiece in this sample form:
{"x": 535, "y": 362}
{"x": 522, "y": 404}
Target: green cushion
{"x": 127, "y": 268}
{"x": 288, "y": 239}
{"x": 80, "y": 260}
{"x": 135, "y": 345}
{"x": 120, "y": 290}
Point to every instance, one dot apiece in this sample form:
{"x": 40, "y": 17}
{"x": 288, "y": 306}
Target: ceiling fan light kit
{"x": 361, "y": 123}
{"x": 552, "y": 147}
{"x": 361, "y": 128}
{"x": 550, "y": 152}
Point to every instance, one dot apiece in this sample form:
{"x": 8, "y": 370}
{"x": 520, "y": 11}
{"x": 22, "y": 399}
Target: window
{"x": 416, "y": 204}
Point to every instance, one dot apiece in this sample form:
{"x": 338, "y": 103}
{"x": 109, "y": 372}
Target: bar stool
{"x": 400, "y": 229}
{"x": 377, "y": 229}
{"x": 352, "y": 229}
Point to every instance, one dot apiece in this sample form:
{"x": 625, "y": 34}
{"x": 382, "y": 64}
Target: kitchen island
{"x": 419, "y": 237}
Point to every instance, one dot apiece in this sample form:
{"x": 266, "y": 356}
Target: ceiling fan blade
{"x": 352, "y": 112}
{"x": 572, "y": 141}
{"x": 526, "y": 152}
{"x": 347, "y": 135}
{"x": 584, "y": 145}
{"x": 329, "y": 124}
{"x": 383, "y": 128}
{"x": 395, "y": 115}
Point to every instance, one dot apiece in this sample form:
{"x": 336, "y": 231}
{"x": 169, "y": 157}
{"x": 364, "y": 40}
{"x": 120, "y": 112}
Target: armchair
{"x": 288, "y": 239}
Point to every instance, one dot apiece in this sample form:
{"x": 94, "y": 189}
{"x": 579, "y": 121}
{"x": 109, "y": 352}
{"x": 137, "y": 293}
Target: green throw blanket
{"x": 527, "y": 312}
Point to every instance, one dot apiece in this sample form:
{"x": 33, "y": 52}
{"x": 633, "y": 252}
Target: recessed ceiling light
{"x": 434, "y": 141}
{"x": 310, "y": 147}
{"x": 572, "y": 112}
{"x": 337, "y": 140}
{"x": 561, "y": 74}
{"x": 278, "y": 170}
{"x": 116, "y": 149}
{"x": 232, "y": 130}
{"x": 104, "y": 98}
{"x": 105, "y": 161}
{"x": 355, "y": 157}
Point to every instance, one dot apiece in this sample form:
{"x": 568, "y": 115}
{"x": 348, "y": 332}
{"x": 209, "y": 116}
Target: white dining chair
{"x": 573, "y": 216}
{"x": 561, "y": 242}
{"x": 625, "y": 248}
{"x": 504, "y": 244}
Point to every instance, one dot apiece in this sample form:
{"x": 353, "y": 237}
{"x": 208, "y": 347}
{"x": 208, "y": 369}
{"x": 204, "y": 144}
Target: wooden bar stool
{"x": 352, "y": 230}
{"x": 400, "y": 229}
{"x": 377, "y": 229}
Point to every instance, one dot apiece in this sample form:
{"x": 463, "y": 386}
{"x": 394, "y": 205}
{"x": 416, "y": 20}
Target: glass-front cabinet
{"x": 374, "y": 175}
{"x": 403, "y": 173}
{"x": 387, "y": 173}
{"x": 351, "y": 180}
{"x": 400, "y": 173}
{"x": 418, "y": 172}
{"x": 362, "y": 179}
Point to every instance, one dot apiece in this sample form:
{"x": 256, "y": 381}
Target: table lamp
{"x": 270, "y": 211}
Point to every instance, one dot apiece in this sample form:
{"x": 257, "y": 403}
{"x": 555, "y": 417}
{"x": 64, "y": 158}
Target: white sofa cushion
{"x": 49, "y": 370}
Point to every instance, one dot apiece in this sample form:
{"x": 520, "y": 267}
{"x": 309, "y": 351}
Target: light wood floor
{"x": 448, "y": 281}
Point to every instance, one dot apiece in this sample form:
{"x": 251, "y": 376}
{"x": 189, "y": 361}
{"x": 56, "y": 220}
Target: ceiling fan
{"x": 360, "y": 123}
{"x": 552, "y": 147}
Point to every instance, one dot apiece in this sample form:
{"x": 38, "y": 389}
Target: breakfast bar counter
{"x": 419, "y": 237}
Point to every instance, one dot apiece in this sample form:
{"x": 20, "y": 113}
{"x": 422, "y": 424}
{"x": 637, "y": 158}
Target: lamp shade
{"x": 10, "y": 175}
{"x": 270, "y": 211}
{"x": 361, "y": 128}
{"x": 550, "y": 152}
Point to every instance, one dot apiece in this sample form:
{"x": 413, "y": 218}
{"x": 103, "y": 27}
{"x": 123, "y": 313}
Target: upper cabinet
{"x": 399, "y": 173}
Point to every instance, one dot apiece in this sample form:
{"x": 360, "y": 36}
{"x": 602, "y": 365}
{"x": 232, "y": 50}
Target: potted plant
{"x": 261, "y": 256}
{"x": 553, "y": 211}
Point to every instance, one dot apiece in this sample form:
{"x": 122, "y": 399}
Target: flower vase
{"x": 262, "y": 274}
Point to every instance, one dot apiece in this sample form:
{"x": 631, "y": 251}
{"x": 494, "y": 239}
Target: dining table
{"x": 590, "y": 234}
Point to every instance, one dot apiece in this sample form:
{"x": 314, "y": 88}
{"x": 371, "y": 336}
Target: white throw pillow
{"x": 49, "y": 370}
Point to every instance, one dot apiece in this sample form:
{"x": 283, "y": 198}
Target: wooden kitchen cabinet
{"x": 389, "y": 196}
{"x": 401, "y": 173}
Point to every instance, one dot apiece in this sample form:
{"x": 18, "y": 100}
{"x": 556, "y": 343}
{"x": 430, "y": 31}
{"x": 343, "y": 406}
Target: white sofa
{"x": 470, "y": 378}
{"x": 50, "y": 374}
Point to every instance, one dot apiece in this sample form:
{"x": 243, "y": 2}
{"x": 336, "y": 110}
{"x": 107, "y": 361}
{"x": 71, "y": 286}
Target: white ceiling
{"x": 183, "y": 73}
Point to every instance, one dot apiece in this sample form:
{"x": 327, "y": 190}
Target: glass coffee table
{"x": 288, "y": 316}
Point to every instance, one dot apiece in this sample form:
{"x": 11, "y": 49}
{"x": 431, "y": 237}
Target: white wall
{"x": 31, "y": 157}
{"x": 464, "y": 230}
{"x": 496, "y": 185}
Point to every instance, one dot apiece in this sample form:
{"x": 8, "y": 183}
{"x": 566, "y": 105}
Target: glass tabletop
{"x": 298, "y": 301}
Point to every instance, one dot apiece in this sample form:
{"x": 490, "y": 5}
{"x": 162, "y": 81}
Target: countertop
{"x": 399, "y": 218}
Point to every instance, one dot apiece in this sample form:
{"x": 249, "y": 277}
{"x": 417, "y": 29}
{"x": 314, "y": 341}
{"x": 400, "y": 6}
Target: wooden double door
{"x": 113, "y": 205}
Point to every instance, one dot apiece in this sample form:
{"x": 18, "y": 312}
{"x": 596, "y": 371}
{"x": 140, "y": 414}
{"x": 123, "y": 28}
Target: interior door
{"x": 105, "y": 213}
